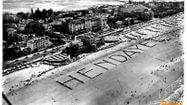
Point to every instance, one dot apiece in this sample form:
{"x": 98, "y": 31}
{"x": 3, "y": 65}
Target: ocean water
{"x": 26, "y": 5}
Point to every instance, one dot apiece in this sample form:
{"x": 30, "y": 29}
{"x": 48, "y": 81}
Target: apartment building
{"x": 86, "y": 24}
{"x": 38, "y": 43}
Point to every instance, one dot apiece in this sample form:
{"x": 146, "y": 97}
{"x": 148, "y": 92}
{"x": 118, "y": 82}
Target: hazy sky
{"x": 26, "y": 5}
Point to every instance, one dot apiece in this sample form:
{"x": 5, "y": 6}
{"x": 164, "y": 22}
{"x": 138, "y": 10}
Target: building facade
{"x": 38, "y": 43}
{"x": 77, "y": 26}
{"x": 87, "y": 24}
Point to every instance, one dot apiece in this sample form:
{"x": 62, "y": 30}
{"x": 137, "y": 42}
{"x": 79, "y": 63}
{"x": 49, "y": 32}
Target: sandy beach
{"x": 112, "y": 87}
{"x": 135, "y": 73}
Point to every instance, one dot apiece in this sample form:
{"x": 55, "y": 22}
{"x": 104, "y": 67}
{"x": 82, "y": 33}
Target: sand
{"x": 112, "y": 87}
{"x": 131, "y": 82}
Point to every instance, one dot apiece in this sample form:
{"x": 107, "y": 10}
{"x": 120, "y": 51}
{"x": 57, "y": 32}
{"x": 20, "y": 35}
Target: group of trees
{"x": 9, "y": 21}
{"x": 128, "y": 18}
{"x": 144, "y": 16}
{"x": 37, "y": 14}
{"x": 14, "y": 52}
{"x": 87, "y": 46}
{"x": 63, "y": 27}
{"x": 10, "y": 49}
{"x": 5, "y": 33}
{"x": 34, "y": 27}
{"x": 167, "y": 9}
{"x": 10, "y": 18}
{"x": 48, "y": 13}
{"x": 41, "y": 14}
{"x": 74, "y": 49}
{"x": 22, "y": 15}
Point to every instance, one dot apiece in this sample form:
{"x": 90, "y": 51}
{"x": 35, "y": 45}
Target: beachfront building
{"x": 87, "y": 24}
{"x": 95, "y": 24}
{"x": 104, "y": 20}
{"x": 38, "y": 43}
{"x": 76, "y": 26}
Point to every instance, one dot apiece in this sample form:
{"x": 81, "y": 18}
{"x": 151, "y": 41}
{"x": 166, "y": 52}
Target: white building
{"x": 39, "y": 43}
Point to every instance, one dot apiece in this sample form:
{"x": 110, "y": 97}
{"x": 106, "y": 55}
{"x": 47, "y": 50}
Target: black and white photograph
{"x": 92, "y": 52}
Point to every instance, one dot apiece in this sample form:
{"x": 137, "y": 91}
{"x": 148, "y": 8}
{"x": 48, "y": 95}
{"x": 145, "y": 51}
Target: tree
{"x": 22, "y": 15}
{"x": 86, "y": 41}
{"x": 10, "y": 18}
{"x": 37, "y": 14}
{"x": 73, "y": 50}
{"x": 100, "y": 43}
{"x": 44, "y": 14}
{"x": 50, "y": 12}
{"x": 26, "y": 51}
{"x": 34, "y": 27}
{"x": 111, "y": 21}
{"x": 5, "y": 33}
{"x": 87, "y": 46}
{"x": 65, "y": 26}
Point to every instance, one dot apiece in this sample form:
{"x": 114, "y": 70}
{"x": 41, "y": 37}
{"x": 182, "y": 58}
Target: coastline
{"x": 81, "y": 5}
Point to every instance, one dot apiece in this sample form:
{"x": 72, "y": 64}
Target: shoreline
{"x": 64, "y": 8}
{"x": 61, "y": 6}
